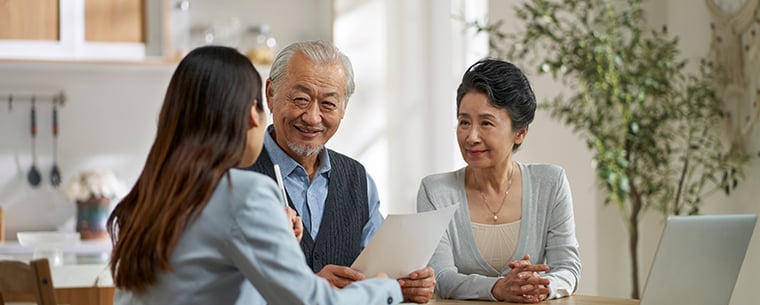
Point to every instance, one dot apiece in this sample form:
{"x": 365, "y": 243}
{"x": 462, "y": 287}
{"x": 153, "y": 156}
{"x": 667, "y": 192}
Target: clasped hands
{"x": 417, "y": 287}
{"x": 523, "y": 283}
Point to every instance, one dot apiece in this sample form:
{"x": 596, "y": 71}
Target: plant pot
{"x": 92, "y": 215}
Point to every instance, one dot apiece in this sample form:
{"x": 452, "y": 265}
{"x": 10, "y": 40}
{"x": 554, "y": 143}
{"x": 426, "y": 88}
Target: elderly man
{"x": 307, "y": 92}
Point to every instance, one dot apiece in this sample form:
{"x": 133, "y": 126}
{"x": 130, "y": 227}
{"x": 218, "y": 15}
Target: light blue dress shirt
{"x": 309, "y": 197}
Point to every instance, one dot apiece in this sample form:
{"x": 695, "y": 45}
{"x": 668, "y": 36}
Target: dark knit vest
{"x": 346, "y": 211}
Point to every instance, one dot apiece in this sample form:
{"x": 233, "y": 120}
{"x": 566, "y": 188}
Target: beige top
{"x": 496, "y": 243}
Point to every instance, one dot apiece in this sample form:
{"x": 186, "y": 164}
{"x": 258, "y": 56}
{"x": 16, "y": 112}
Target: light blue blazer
{"x": 241, "y": 250}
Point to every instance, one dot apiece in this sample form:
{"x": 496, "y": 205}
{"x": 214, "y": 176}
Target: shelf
{"x": 84, "y": 247}
{"x": 158, "y": 61}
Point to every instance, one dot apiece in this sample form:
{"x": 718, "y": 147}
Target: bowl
{"x": 47, "y": 238}
{"x": 48, "y": 244}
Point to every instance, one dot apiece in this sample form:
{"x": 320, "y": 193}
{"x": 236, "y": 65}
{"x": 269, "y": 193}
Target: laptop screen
{"x": 698, "y": 259}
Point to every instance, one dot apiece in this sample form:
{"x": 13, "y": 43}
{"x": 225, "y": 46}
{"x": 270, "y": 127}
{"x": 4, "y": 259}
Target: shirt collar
{"x": 286, "y": 163}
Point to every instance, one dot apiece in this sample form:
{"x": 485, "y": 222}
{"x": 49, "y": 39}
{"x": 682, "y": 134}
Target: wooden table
{"x": 85, "y": 295}
{"x": 71, "y": 296}
{"x": 104, "y": 296}
{"x": 572, "y": 300}
{"x": 83, "y": 284}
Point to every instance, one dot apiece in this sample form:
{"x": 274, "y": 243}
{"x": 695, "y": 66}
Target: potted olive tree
{"x": 652, "y": 126}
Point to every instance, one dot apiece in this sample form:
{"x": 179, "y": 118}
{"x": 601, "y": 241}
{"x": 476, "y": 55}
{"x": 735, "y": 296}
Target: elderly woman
{"x": 513, "y": 236}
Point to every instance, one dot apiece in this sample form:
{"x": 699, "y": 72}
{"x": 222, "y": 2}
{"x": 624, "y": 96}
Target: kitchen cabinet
{"x": 29, "y": 19}
{"x": 139, "y": 30}
{"x": 114, "y": 21}
{"x": 82, "y": 30}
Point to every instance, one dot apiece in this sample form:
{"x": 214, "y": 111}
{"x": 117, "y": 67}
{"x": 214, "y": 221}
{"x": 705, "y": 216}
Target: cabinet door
{"x": 114, "y": 21}
{"x": 112, "y": 30}
{"x": 90, "y": 30}
{"x": 29, "y": 19}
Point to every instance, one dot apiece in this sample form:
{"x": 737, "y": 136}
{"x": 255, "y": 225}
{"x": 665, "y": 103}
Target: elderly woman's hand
{"x": 522, "y": 284}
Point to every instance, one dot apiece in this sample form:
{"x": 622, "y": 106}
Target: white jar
{"x": 259, "y": 44}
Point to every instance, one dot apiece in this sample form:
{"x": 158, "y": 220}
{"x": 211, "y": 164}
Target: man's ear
{"x": 345, "y": 105}
{"x": 269, "y": 93}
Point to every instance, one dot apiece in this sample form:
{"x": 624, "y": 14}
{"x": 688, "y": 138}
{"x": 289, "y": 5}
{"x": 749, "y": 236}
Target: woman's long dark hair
{"x": 201, "y": 134}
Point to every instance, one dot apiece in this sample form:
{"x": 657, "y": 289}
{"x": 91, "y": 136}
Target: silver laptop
{"x": 698, "y": 260}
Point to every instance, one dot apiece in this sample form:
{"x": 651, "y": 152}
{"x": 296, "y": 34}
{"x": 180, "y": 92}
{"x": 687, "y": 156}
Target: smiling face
{"x": 484, "y": 132}
{"x": 307, "y": 105}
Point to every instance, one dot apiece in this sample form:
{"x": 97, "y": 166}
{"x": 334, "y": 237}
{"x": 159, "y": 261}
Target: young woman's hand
{"x": 295, "y": 220}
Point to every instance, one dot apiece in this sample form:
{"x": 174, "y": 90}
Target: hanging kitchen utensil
{"x": 55, "y": 174}
{"x": 34, "y": 176}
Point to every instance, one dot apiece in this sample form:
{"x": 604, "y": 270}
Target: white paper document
{"x": 404, "y": 243}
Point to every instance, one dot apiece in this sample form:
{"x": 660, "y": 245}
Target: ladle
{"x": 55, "y": 174}
{"x": 34, "y": 176}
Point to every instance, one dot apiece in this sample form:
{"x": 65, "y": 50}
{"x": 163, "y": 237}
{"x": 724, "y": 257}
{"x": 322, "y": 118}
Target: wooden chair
{"x": 24, "y": 282}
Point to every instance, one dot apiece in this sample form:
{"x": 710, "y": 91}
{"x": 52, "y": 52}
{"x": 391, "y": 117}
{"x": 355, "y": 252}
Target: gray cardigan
{"x": 547, "y": 234}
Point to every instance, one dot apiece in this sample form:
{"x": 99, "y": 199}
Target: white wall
{"x": 110, "y": 115}
{"x": 290, "y": 20}
{"x": 408, "y": 57}
{"x": 108, "y": 121}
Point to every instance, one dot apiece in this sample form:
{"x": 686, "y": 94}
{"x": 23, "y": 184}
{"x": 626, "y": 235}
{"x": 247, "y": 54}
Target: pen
{"x": 280, "y": 184}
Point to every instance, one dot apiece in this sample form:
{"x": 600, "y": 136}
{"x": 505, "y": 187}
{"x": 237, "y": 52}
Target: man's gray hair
{"x": 319, "y": 52}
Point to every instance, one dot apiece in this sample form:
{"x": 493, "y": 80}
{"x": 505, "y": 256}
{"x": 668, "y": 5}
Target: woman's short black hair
{"x": 506, "y": 87}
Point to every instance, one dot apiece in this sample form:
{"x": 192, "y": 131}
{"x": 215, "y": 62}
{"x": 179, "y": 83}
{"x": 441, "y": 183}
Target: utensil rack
{"x": 11, "y": 98}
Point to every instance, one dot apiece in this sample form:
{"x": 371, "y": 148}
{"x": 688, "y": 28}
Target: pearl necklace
{"x": 495, "y": 216}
